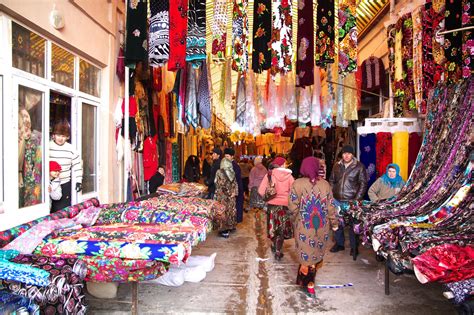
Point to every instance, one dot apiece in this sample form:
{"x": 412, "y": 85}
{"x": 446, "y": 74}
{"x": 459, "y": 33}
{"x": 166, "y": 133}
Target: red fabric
{"x": 359, "y": 87}
{"x": 179, "y": 30}
{"x": 383, "y": 152}
{"x": 132, "y": 106}
{"x": 414, "y": 144}
{"x": 150, "y": 158}
{"x": 446, "y": 263}
{"x": 157, "y": 79}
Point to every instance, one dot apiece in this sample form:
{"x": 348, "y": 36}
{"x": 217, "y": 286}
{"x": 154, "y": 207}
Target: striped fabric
{"x": 70, "y": 161}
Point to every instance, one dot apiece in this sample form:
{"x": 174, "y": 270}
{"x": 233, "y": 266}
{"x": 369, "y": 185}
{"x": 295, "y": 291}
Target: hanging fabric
{"x": 417, "y": 17}
{"x": 196, "y": 38}
{"x": 289, "y": 108}
{"x": 350, "y": 98}
{"x": 347, "y": 37}
{"x": 305, "y": 44}
{"x": 204, "y": 97}
{"x": 324, "y": 52}
{"x": 368, "y": 156}
{"x": 240, "y": 35}
{"x": 228, "y": 107}
{"x": 262, "y": 31}
{"x": 240, "y": 103}
{"x": 282, "y": 49}
{"x": 373, "y": 74}
{"x": 400, "y": 152}
{"x": 438, "y": 26}
{"x": 467, "y": 19}
{"x": 316, "y": 99}
{"x": 178, "y": 33}
{"x": 383, "y": 153}
{"x": 340, "y": 121}
{"x": 407, "y": 44}
{"x": 159, "y": 41}
{"x": 327, "y": 99}
{"x": 251, "y": 112}
{"x": 414, "y": 144}
{"x": 453, "y": 41}
{"x": 304, "y": 104}
{"x": 219, "y": 30}
{"x": 428, "y": 60}
{"x": 136, "y": 45}
{"x": 391, "y": 31}
{"x": 182, "y": 97}
{"x": 191, "y": 97}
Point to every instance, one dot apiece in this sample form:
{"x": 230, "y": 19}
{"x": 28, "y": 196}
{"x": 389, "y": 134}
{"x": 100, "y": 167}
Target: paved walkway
{"x": 241, "y": 283}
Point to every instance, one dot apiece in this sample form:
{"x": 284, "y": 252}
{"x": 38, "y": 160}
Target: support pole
{"x": 387, "y": 278}
{"x": 126, "y": 136}
{"x": 134, "y": 298}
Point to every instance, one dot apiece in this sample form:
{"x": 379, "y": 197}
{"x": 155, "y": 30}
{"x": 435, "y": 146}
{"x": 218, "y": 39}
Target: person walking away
{"x": 229, "y": 154}
{"x": 245, "y": 167}
{"x": 257, "y": 173}
{"x": 226, "y": 191}
{"x": 349, "y": 182}
{"x": 387, "y": 185}
{"x": 54, "y": 188}
{"x": 65, "y": 155}
{"x": 312, "y": 213}
{"x": 279, "y": 226}
{"x": 216, "y": 164}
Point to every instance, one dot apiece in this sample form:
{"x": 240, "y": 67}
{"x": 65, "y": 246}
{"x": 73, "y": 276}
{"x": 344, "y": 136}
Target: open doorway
{"x": 59, "y": 110}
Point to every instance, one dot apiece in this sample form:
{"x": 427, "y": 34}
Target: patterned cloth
{"x": 204, "y": 97}
{"x": 305, "y": 42}
{"x": 179, "y": 24}
{"x": 226, "y": 192}
{"x": 240, "y": 35}
{"x": 191, "y": 97}
{"x": 159, "y": 41}
{"x": 324, "y": 52}
{"x": 196, "y": 37}
{"x": 262, "y": 30}
{"x": 256, "y": 200}
{"x": 240, "y": 102}
{"x": 467, "y": 39}
{"x": 383, "y": 149}
{"x": 368, "y": 155}
{"x": 347, "y": 37}
{"x": 414, "y": 144}
{"x": 427, "y": 56}
{"x": 279, "y": 222}
{"x": 136, "y": 44}
{"x": 462, "y": 290}
{"x": 24, "y": 274}
{"x": 10, "y": 302}
{"x": 219, "y": 30}
{"x": 417, "y": 18}
{"x": 453, "y": 41}
{"x": 281, "y": 44}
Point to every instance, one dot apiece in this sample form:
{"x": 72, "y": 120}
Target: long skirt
{"x": 278, "y": 222}
{"x": 256, "y": 200}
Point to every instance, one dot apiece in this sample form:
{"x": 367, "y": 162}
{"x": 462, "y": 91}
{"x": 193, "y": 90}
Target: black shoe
{"x": 354, "y": 253}
{"x": 224, "y": 234}
{"x": 336, "y": 248}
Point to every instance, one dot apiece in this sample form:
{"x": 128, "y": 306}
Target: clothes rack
{"x": 365, "y": 91}
{"x": 455, "y": 30}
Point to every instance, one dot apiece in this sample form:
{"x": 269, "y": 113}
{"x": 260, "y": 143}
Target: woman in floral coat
{"x": 312, "y": 211}
{"x": 226, "y": 191}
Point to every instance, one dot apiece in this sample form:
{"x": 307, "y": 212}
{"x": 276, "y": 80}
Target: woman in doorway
{"x": 312, "y": 211}
{"x": 387, "y": 185}
{"x": 278, "y": 222}
{"x": 226, "y": 191}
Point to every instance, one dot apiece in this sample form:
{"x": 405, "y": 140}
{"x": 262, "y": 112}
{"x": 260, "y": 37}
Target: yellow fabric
{"x": 400, "y": 152}
{"x": 350, "y": 98}
{"x": 398, "y": 55}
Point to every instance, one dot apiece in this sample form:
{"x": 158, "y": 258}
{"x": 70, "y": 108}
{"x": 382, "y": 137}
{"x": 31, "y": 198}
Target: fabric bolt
{"x": 350, "y": 98}
{"x": 453, "y": 41}
{"x": 175, "y": 162}
{"x": 368, "y": 155}
{"x": 158, "y": 40}
{"x": 461, "y": 290}
{"x": 281, "y": 43}
{"x": 400, "y": 152}
{"x": 325, "y": 49}
{"x": 305, "y": 42}
{"x": 219, "y": 31}
{"x": 24, "y": 274}
{"x": 347, "y": 37}
{"x": 414, "y": 144}
{"x": 196, "y": 35}
{"x": 10, "y": 302}
{"x": 383, "y": 149}
{"x": 179, "y": 24}
{"x": 8, "y": 254}
{"x": 340, "y": 90}
{"x": 240, "y": 35}
{"x": 262, "y": 29}
{"x": 204, "y": 97}
{"x": 136, "y": 45}
{"x": 191, "y": 97}
{"x": 169, "y": 162}
{"x": 467, "y": 47}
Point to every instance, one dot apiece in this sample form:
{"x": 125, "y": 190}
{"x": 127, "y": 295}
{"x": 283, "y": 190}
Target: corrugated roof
{"x": 367, "y": 12}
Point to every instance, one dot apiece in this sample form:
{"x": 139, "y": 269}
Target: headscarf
{"x": 396, "y": 182}
{"x": 310, "y": 169}
{"x": 257, "y": 160}
{"x": 226, "y": 166}
{"x": 279, "y": 161}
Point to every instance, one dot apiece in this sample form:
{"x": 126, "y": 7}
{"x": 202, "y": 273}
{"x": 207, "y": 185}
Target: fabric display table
{"x": 429, "y": 222}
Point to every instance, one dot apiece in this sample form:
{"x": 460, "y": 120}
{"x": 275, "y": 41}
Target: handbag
{"x": 270, "y": 191}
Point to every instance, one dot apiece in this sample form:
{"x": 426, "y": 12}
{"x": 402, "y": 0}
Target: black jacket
{"x": 210, "y": 181}
{"x": 349, "y": 183}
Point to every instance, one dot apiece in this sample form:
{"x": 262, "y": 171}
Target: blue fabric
{"x": 23, "y": 273}
{"x": 368, "y": 155}
{"x": 396, "y": 182}
{"x": 8, "y": 254}
{"x": 10, "y": 302}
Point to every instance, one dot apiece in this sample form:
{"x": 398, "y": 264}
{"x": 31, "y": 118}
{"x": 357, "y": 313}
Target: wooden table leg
{"x": 387, "y": 278}
{"x": 134, "y": 298}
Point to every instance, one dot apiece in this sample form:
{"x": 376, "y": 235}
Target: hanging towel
{"x": 383, "y": 153}
{"x": 219, "y": 30}
{"x": 196, "y": 40}
{"x": 400, "y": 152}
{"x": 204, "y": 98}
{"x": 191, "y": 97}
{"x": 414, "y": 145}
{"x": 324, "y": 52}
{"x": 282, "y": 48}
{"x": 240, "y": 35}
{"x": 347, "y": 37}
{"x": 136, "y": 45}
{"x": 159, "y": 41}
{"x": 262, "y": 31}
{"x": 179, "y": 29}
{"x": 305, "y": 44}
{"x": 368, "y": 155}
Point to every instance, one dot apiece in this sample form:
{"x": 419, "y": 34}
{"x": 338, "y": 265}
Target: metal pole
{"x": 126, "y": 148}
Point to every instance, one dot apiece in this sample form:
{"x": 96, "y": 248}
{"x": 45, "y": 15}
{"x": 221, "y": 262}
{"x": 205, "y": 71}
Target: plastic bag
{"x": 207, "y": 262}
{"x": 173, "y": 278}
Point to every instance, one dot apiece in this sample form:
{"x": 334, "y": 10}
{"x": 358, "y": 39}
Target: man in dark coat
{"x": 349, "y": 182}
{"x": 216, "y": 164}
{"x": 229, "y": 154}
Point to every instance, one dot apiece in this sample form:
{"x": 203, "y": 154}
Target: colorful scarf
{"x": 159, "y": 41}
{"x": 23, "y": 273}
{"x": 467, "y": 39}
{"x": 347, "y": 37}
{"x": 136, "y": 44}
{"x": 191, "y": 100}
{"x": 196, "y": 38}
{"x": 305, "y": 55}
{"x": 282, "y": 49}
{"x": 179, "y": 26}
{"x": 219, "y": 30}
{"x": 10, "y": 303}
{"x": 324, "y": 52}
{"x": 240, "y": 35}
{"x": 204, "y": 98}
{"x": 310, "y": 169}
{"x": 240, "y": 102}
{"x": 396, "y": 182}
{"x": 226, "y": 166}
{"x": 262, "y": 31}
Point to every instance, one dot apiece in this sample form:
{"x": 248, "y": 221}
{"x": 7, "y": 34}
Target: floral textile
{"x": 262, "y": 30}
{"x": 281, "y": 43}
{"x": 325, "y": 50}
{"x": 347, "y": 37}
{"x": 240, "y": 34}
